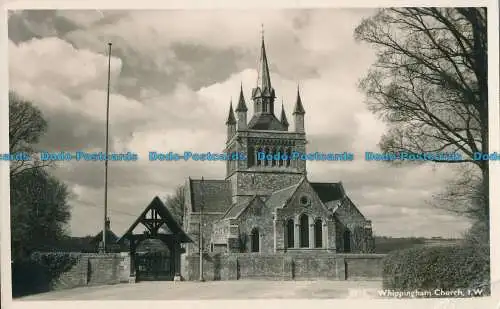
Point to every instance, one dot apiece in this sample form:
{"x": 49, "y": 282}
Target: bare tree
{"x": 429, "y": 83}
{"x": 430, "y": 80}
{"x": 26, "y": 126}
{"x": 175, "y": 202}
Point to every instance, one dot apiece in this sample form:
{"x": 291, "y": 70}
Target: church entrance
{"x": 156, "y": 250}
{"x": 154, "y": 266}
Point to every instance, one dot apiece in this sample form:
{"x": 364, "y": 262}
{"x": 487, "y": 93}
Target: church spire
{"x": 299, "y": 109}
{"x": 263, "y": 94}
{"x": 284, "y": 121}
{"x": 230, "y": 118}
{"x": 264, "y": 78}
{"x": 242, "y": 107}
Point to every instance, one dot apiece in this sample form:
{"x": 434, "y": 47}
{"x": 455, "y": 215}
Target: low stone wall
{"x": 89, "y": 269}
{"x": 285, "y": 266}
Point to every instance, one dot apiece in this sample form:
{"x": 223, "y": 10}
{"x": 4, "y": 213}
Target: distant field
{"x": 388, "y": 244}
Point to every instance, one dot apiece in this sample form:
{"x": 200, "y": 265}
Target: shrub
{"x": 37, "y": 273}
{"x": 55, "y": 263}
{"x": 436, "y": 267}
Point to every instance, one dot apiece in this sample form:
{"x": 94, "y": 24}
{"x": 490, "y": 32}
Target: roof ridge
{"x": 285, "y": 188}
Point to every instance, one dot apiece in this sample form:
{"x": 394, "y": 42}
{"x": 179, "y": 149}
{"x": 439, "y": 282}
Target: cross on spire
{"x": 262, "y": 31}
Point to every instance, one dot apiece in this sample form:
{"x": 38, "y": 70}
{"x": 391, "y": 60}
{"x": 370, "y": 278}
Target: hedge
{"x": 437, "y": 267}
{"x": 37, "y": 273}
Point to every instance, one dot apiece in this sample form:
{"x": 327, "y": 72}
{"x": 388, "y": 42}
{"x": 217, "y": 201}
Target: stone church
{"x": 270, "y": 207}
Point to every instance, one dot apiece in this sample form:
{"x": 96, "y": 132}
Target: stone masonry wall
{"x": 262, "y": 182}
{"x": 285, "y": 266}
{"x": 257, "y": 216}
{"x": 95, "y": 269}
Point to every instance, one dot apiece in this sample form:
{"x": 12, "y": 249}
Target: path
{"x": 241, "y": 289}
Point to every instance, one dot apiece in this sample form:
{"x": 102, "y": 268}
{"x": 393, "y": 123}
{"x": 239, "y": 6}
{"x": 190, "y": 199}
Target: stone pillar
{"x": 332, "y": 246}
{"x": 312, "y": 239}
{"x": 285, "y": 235}
{"x": 324, "y": 234}
{"x": 275, "y": 233}
{"x": 296, "y": 236}
{"x": 279, "y": 235}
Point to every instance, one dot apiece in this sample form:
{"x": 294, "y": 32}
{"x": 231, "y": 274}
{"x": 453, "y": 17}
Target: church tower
{"x": 267, "y": 135}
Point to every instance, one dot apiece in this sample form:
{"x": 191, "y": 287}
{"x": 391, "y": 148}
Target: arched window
{"x": 280, "y": 161}
{"x": 290, "y": 231}
{"x": 251, "y": 156}
{"x": 347, "y": 240}
{"x": 289, "y": 154}
{"x": 272, "y": 152}
{"x": 304, "y": 231}
{"x": 318, "y": 233}
{"x": 260, "y": 150}
{"x": 255, "y": 240}
{"x": 266, "y": 162}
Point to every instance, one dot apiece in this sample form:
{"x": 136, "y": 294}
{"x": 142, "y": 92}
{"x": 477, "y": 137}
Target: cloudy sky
{"x": 173, "y": 76}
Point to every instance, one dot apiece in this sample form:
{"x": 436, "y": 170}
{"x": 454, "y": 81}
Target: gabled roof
{"x": 328, "y": 191}
{"x": 111, "y": 237}
{"x": 280, "y": 198}
{"x": 213, "y": 195}
{"x": 237, "y": 209}
{"x": 165, "y": 215}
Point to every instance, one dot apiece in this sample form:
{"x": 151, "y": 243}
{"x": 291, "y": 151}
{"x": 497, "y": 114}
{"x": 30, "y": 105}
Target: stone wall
{"x": 285, "y": 266}
{"x": 95, "y": 269}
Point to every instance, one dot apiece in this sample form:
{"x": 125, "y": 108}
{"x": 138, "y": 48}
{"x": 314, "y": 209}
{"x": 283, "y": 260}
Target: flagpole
{"x": 106, "y": 157}
{"x": 201, "y": 227}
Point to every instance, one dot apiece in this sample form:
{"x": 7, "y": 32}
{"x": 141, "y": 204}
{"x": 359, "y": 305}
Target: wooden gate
{"x": 152, "y": 266}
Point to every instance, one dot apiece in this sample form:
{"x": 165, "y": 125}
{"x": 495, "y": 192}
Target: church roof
{"x": 280, "y": 197}
{"x": 265, "y": 122}
{"x": 328, "y": 191}
{"x": 238, "y": 208}
{"x": 214, "y": 195}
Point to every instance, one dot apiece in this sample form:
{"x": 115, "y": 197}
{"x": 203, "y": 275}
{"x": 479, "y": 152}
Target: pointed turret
{"x": 241, "y": 111}
{"x": 299, "y": 108}
{"x": 263, "y": 94}
{"x": 230, "y": 118}
{"x": 231, "y": 122}
{"x": 298, "y": 113}
{"x": 284, "y": 121}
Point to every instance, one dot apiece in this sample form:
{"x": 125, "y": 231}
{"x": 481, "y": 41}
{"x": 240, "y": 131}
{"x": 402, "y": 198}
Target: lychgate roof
{"x": 161, "y": 219}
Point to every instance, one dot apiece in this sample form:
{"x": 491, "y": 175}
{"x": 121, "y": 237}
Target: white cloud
{"x": 55, "y": 63}
{"x": 188, "y": 119}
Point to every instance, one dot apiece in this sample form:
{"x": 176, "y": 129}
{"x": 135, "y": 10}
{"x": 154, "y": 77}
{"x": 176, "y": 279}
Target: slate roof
{"x": 280, "y": 197}
{"x": 111, "y": 237}
{"x": 214, "y": 195}
{"x": 265, "y": 122}
{"x": 236, "y": 209}
{"x": 328, "y": 191}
